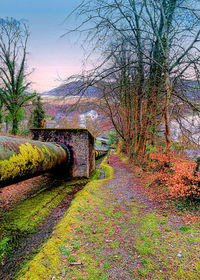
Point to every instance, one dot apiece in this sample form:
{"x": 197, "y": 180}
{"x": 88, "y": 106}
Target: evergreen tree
{"x": 38, "y": 114}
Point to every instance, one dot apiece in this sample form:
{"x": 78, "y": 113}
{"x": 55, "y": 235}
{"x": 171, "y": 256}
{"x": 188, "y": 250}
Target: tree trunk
{"x": 166, "y": 110}
{"x": 15, "y": 125}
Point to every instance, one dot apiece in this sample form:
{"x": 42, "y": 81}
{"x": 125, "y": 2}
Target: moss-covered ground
{"x": 26, "y": 217}
{"x": 111, "y": 231}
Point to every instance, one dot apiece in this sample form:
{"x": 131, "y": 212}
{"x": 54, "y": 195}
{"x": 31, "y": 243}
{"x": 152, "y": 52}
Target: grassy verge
{"x": 46, "y": 264}
{"x": 95, "y": 175}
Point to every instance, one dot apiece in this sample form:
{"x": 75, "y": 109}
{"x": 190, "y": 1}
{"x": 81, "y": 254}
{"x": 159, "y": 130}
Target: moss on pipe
{"x": 20, "y": 157}
{"x": 99, "y": 154}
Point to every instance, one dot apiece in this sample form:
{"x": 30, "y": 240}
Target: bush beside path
{"x": 112, "y": 231}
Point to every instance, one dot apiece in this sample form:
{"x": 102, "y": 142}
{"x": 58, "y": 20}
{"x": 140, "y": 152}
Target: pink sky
{"x": 51, "y": 69}
{"x": 50, "y": 55}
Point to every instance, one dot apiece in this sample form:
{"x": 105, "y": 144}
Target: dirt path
{"x": 117, "y": 233}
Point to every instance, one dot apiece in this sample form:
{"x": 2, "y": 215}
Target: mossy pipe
{"x": 100, "y": 153}
{"x": 23, "y": 157}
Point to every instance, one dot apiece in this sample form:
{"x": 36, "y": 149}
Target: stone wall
{"x": 79, "y": 141}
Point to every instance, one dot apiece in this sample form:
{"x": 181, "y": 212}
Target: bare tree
{"x": 148, "y": 49}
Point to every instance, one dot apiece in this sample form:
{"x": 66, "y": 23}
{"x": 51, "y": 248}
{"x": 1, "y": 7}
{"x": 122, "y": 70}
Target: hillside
{"x": 73, "y": 89}
{"x": 187, "y": 88}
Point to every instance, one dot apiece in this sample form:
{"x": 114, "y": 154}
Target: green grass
{"x": 185, "y": 228}
{"x": 116, "y": 215}
{"x": 72, "y": 259}
{"x": 76, "y": 244}
{"x": 114, "y": 244}
{"x": 64, "y": 251}
{"x": 96, "y": 174}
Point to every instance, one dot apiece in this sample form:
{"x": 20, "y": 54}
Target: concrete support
{"x": 80, "y": 142}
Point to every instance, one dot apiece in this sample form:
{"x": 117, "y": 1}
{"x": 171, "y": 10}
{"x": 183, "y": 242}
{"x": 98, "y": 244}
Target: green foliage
{"x": 150, "y": 149}
{"x": 13, "y": 40}
{"x": 98, "y": 143}
{"x": 178, "y": 146}
{"x": 38, "y": 113}
{"x": 96, "y": 174}
{"x": 64, "y": 251}
{"x": 4, "y": 247}
{"x": 113, "y": 138}
{"x": 185, "y": 228}
{"x": 14, "y": 117}
{"x": 72, "y": 259}
{"x": 23, "y": 131}
{"x": 49, "y": 118}
{"x": 76, "y": 244}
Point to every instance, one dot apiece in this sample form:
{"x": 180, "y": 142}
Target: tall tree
{"x": 13, "y": 52}
{"x": 155, "y": 50}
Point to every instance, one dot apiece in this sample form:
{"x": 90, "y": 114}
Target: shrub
{"x": 177, "y": 174}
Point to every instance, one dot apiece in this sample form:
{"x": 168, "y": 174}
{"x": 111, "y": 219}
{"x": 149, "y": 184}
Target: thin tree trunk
{"x": 166, "y": 110}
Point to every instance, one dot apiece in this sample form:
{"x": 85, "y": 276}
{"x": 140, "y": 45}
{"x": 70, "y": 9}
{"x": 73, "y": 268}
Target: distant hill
{"x": 187, "y": 88}
{"x": 73, "y": 89}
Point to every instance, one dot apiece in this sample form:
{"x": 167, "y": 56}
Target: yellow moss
{"x": 47, "y": 262}
{"x": 30, "y": 159}
{"x": 99, "y": 154}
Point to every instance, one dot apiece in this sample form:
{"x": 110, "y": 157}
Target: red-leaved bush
{"x": 177, "y": 174}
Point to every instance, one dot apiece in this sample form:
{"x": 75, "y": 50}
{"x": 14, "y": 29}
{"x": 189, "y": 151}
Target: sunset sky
{"x": 51, "y": 56}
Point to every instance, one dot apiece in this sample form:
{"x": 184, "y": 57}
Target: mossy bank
{"x": 46, "y": 263}
{"x": 25, "y": 219}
